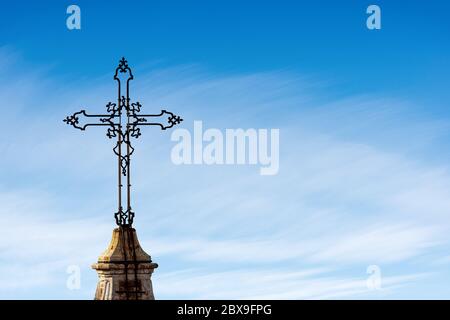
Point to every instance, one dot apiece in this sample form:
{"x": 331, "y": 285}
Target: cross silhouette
{"x": 123, "y": 121}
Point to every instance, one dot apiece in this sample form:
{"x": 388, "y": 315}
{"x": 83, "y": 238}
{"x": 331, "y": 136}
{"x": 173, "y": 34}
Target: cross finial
{"x": 123, "y": 121}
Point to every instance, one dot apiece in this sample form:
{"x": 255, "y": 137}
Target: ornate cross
{"x": 123, "y": 121}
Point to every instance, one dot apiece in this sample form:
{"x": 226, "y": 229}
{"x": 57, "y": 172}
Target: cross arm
{"x": 148, "y": 120}
{"x": 103, "y": 120}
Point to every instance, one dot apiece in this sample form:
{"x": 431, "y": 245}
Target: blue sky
{"x": 363, "y": 118}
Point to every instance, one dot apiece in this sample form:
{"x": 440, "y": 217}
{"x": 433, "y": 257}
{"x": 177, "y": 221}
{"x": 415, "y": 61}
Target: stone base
{"x": 124, "y": 269}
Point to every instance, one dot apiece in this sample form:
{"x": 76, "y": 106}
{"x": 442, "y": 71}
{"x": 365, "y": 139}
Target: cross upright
{"x": 123, "y": 122}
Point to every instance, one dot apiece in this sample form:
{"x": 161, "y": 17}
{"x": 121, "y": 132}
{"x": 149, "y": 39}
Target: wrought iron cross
{"x": 123, "y": 121}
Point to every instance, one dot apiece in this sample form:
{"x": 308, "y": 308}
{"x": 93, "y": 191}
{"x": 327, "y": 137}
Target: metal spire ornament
{"x": 123, "y": 122}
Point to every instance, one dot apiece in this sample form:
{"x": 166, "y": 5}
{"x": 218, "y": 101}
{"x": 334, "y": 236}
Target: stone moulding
{"x": 124, "y": 269}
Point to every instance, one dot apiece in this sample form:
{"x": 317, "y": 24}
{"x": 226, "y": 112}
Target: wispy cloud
{"x": 273, "y": 284}
{"x": 344, "y": 198}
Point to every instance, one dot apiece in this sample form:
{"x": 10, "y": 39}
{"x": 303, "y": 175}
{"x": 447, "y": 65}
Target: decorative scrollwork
{"x": 72, "y": 120}
{"x": 124, "y": 158}
{"x": 123, "y": 65}
{"x": 111, "y": 133}
{"x": 135, "y": 132}
{"x": 124, "y": 218}
{"x": 173, "y": 120}
{"x": 111, "y": 107}
{"x": 135, "y": 107}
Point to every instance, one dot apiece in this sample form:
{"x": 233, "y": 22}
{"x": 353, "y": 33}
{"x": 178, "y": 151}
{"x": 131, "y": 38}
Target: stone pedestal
{"x": 124, "y": 269}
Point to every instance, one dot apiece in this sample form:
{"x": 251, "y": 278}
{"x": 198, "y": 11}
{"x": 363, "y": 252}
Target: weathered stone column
{"x": 124, "y": 269}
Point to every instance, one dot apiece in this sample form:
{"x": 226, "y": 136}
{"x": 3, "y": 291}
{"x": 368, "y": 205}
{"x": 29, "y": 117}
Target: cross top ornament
{"x": 123, "y": 122}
